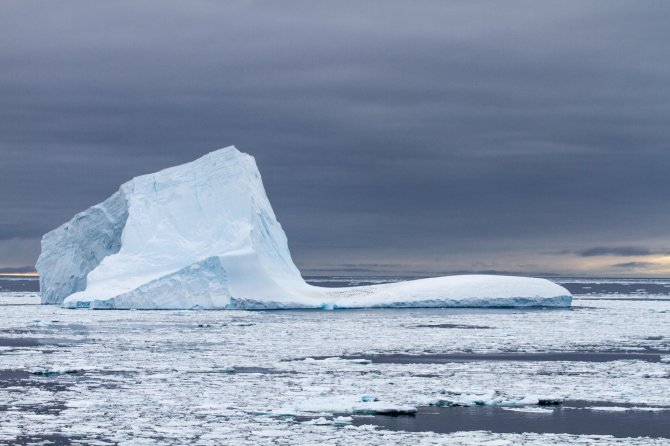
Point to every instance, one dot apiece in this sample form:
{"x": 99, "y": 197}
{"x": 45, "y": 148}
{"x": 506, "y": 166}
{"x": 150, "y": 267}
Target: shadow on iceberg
{"x": 203, "y": 235}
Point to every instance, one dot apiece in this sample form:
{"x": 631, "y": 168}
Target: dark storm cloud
{"x": 19, "y": 269}
{"x": 637, "y": 265}
{"x": 625, "y": 251}
{"x": 437, "y": 131}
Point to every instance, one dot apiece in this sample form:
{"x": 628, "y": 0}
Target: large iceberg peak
{"x": 160, "y": 223}
{"x": 204, "y": 235}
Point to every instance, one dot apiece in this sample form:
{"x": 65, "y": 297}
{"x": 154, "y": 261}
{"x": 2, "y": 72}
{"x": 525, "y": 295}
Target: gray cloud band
{"x": 436, "y": 129}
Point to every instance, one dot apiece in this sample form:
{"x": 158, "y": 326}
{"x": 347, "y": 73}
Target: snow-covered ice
{"x": 176, "y": 377}
{"x": 204, "y": 235}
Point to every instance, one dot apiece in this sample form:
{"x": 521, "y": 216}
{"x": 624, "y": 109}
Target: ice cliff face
{"x": 203, "y": 235}
{"x": 76, "y": 248}
{"x": 157, "y": 232}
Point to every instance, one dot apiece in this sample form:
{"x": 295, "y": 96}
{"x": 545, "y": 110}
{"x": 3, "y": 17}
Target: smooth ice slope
{"x": 203, "y": 235}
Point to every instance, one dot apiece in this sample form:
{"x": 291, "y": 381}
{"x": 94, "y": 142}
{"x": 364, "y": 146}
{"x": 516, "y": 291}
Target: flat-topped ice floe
{"x": 204, "y": 235}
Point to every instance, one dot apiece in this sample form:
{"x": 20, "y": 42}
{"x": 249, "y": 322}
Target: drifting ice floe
{"x": 353, "y": 404}
{"x": 204, "y": 235}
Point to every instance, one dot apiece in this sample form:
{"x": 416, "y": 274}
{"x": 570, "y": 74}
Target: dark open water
{"x": 570, "y": 418}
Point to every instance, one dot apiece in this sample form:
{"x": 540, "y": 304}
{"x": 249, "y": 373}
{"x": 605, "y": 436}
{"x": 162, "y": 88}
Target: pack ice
{"x": 204, "y": 235}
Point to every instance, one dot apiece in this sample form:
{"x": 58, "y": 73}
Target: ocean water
{"x": 597, "y": 373}
{"x": 19, "y": 284}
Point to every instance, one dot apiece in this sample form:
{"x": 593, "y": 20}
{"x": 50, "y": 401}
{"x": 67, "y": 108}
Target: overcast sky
{"x": 393, "y": 137}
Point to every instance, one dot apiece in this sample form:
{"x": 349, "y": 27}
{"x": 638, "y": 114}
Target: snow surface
{"x": 204, "y": 235}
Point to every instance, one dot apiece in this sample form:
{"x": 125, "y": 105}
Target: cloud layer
{"x": 434, "y": 137}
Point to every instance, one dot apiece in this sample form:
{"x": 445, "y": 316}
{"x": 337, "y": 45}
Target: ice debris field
{"x": 175, "y": 377}
{"x": 203, "y": 235}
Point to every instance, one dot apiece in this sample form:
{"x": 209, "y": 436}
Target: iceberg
{"x": 203, "y": 235}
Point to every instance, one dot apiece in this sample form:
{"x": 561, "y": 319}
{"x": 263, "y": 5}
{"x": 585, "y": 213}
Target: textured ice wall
{"x": 215, "y": 206}
{"x": 74, "y": 249}
{"x": 200, "y": 285}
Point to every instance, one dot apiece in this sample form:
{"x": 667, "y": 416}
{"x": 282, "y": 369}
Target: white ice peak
{"x": 204, "y": 235}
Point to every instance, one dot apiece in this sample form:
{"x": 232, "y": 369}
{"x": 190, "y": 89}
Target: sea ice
{"x": 203, "y": 235}
{"x": 490, "y": 398}
{"x": 353, "y": 404}
{"x": 147, "y": 371}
